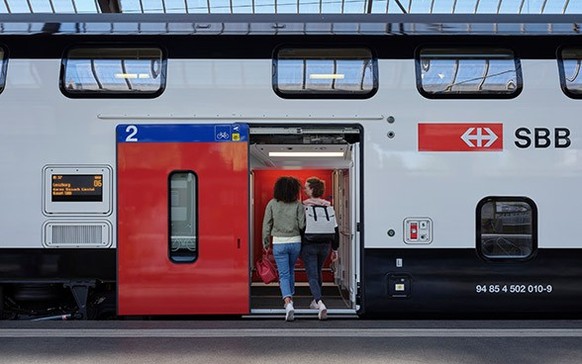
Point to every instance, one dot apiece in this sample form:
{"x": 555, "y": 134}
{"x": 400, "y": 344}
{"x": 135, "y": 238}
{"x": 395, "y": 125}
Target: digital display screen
{"x": 77, "y": 187}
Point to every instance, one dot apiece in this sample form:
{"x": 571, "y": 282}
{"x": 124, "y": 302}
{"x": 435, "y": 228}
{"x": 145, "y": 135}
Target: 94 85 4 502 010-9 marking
{"x": 514, "y": 288}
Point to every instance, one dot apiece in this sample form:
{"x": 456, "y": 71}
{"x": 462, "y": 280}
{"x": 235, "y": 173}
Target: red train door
{"x": 183, "y": 218}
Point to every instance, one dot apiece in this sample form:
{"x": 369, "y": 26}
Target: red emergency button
{"x": 414, "y": 231}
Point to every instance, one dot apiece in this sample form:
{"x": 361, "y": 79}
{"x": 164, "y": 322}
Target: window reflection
{"x": 507, "y": 228}
{"x": 3, "y": 66}
{"x": 467, "y": 72}
{"x": 323, "y": 72}
{"x": 183, "y": 196}
{"x": 570, "y": 65}
{"x": 113, "y": 71}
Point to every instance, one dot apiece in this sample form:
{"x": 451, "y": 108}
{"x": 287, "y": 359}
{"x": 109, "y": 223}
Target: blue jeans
{"x": 314, "y": 255}
{"x": 285, "y": 256}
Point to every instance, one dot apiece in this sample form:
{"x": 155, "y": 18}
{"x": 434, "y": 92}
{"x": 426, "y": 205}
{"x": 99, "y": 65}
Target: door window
{"x": 183, "y": 204}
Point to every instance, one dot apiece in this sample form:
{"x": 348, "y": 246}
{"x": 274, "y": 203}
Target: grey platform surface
{"x": 306, "y": 340}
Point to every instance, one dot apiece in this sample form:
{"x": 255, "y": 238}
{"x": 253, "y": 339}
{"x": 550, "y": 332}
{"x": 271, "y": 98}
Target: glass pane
{"x": 325, "y": 72}
{"x": 506, "y": 229}
{"x": 468, "y": 72}
{"x": 113, "y": 71}
{"x": 183, "y": 217}
{"x": 570, "y": 72}
{"x": 3, "y": 66}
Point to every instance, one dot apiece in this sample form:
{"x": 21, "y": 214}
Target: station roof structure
{"x": 292, "y": 6}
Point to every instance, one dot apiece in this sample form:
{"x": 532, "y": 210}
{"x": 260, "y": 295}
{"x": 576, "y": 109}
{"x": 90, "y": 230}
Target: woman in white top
{"x": 315, "y": 253}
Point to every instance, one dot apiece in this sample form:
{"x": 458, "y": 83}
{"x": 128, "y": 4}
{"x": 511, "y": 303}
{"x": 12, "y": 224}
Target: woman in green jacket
{"x": 283, "y": 221}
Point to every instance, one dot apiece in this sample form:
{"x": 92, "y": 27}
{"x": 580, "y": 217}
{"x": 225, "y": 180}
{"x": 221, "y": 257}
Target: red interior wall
{"x": 264, "y": 181}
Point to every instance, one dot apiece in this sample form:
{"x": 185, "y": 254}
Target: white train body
{"x": 413, "y": 241}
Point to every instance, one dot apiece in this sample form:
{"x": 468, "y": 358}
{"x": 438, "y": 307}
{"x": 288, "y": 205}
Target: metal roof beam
{"x": 369, "y": 7}
{"x": 400, "y": 6}
{"x": 109, "y": 6}
{"x": 282, "y": 24}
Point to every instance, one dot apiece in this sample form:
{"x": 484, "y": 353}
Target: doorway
{"x": 331, "y": 153}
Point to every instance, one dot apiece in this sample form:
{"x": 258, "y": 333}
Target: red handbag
{"x": 266, "y": 269}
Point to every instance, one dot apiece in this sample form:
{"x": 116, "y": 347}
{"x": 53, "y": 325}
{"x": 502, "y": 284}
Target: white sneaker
{"x": 289, "y": 312}
{"x": 314, "y": 305}
{"x": 322, "y": 314}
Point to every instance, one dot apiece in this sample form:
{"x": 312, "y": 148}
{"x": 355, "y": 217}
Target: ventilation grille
{"x": 87, "y": 235}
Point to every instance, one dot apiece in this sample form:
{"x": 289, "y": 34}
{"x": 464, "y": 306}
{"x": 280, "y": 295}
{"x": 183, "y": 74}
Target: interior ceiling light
{"x": 306, "y": 154}
{"x": 326, "y": 76}
{"x": 132, "y": 75}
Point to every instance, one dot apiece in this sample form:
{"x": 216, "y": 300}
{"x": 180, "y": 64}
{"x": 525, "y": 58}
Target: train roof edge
{"x": 292, "y": 24}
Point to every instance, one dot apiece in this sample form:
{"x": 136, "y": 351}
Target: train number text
{"x": 514, "y": 288}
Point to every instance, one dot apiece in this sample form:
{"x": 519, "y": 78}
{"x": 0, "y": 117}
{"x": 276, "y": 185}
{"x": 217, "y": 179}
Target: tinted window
{"x": 3, "y": 67}
{"x": 570, "y": 77}
{"x": 450, "y": 73}
{"x": 507, "y": 227}
{"x": 308, "y": 73}
{"x": 183, "y": 197}
{"x": 113, "y": 71}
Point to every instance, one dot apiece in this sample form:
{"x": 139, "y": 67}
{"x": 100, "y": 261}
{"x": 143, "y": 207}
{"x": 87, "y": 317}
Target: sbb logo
{"x": 542, "y": 138}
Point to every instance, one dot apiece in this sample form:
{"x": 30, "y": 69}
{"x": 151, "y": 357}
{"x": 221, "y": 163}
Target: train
{"x": 138, "y": 152}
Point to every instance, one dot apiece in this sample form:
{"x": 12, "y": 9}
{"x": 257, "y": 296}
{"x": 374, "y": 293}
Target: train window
{"x": 3, "y": 67}
{"x": 506, "y": 228}
{"x": 103, "y": 72}
{"x": 325, "y": 73}
{"x": 183, "y": 219}
{"x": 472, "y": 73}
{"x": 570, "y": 76}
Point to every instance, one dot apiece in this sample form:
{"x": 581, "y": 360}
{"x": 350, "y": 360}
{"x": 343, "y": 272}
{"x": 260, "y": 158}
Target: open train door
{"x": 183, "y": 217}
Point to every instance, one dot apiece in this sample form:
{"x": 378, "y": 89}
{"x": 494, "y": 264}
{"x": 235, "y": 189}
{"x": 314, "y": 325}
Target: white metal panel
{"x": 41, "y": 126}
{"x": 401, "y": 182}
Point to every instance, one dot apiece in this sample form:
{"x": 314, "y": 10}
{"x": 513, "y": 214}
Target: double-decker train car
{"x": 138, "y": 153}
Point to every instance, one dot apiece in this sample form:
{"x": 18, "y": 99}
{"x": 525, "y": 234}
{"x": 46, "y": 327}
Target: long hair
{"x": 287, "y": 189}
